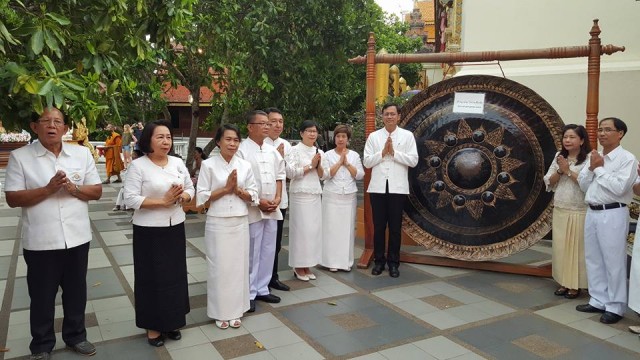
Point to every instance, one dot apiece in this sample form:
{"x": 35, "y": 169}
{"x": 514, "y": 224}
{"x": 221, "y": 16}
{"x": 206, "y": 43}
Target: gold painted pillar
{"x": 382, "y": 80}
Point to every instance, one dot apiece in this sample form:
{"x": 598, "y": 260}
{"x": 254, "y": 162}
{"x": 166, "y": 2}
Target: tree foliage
{"x": 112, "y": 58}
{"x": 86, "y": 54}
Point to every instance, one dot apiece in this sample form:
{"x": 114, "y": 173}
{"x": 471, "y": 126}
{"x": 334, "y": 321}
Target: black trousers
{"x": 387, "y": 211}
{"x": 274, "y": 276}
{"x": 46, "y": 271}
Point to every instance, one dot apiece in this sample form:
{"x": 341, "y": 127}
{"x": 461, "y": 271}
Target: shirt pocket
{"x": 75, "y": 175}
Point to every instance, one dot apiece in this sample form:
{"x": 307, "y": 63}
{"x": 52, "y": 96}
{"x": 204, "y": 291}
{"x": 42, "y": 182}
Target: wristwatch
{"x": 559, "y": 172}
{"x": 77, "y": 191}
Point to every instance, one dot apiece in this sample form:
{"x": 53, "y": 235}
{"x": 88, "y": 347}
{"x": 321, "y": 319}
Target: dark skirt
{"x": 161, "y": 285}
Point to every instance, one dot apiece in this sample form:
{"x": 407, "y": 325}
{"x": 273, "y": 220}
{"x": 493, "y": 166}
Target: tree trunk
{"x": 195, "y": 124}
{"x": 166, "y": 113}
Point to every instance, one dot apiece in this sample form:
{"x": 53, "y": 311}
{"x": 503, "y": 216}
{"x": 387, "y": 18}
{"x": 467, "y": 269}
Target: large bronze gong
{"x": 477, "y": 192}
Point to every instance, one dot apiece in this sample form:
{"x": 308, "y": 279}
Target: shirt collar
{"x": 386, "y": 132}
{"x": 42, "y": 151}
{"x": 615, "y": 152}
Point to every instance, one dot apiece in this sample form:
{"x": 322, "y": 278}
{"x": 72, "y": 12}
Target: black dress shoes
{"x": 269, "y": 298}
{"x": 156, "y": 342}
{"x": 278, "y": 285}
{"x": 377, "y": 269}
{"x": 610, "y": 318}
{"x": 173, "y": 335}
{"x": 84, "y": 348}
{"x": 252, "y": 306}
{"x": 588, "y": 308}
{"x": 394, "y": 272}
{"x": 40, "y": 356}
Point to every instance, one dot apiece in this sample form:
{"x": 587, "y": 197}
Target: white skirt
{"x": 338, "y": 231}
{"x": 227, "y": 246}
{"x": 305, "y": 229}
{"x": 634, "y": 279}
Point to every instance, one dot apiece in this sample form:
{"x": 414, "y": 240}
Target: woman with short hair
{"x": 228, "y": 183}
{"x": 157, "y": 185}
{"x": 305, "y": 203}
{"x": 342, "y": 167}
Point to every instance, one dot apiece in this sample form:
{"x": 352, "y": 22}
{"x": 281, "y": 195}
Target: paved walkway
{"x": 427, "y": 313}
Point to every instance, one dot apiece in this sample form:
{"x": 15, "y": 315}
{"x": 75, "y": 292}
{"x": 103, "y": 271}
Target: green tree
{"x": 81, "y": 53}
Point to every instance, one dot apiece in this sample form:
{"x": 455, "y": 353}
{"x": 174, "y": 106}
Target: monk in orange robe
{"x": 112, "y": 150}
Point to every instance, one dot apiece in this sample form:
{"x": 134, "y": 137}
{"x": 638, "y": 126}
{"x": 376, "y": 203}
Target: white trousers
{"x": 605, "y": 250}
{"x": 261, "y": 254}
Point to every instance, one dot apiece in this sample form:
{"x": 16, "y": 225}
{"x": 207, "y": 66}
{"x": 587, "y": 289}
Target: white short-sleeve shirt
{"x": 61, "y": 220}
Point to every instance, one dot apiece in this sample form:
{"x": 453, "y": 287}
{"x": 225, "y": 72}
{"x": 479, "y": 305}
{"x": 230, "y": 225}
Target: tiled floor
{"x": 427, "y": 313}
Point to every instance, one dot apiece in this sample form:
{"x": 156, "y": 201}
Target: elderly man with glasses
{"x": 607, "y": 180}
{"x": 269, "y": 169}
{"x": 53, "y": 182}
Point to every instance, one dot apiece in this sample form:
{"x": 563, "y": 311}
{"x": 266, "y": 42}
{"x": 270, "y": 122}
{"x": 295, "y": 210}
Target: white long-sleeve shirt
{"x": 268, "y": 168}
{"x": 612, "y": 182}
{"x": 146, "y": 179}
{"x": 299, "y": 157}
{"x": 214, "y": 173}
{"x": 394, "y": 169}
{"x": 284, "y": 198}
{"x": 342, "y": 182}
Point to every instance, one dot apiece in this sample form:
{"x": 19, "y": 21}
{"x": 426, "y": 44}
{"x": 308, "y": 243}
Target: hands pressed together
{"x": 596, "y": 160}
{"x": 388, "y": 147}
{"x": 60, "y": 181}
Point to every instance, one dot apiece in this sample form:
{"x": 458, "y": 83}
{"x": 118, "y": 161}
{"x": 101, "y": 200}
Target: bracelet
{"x": 559, "y": 171}
{"x": 77, "y": 191}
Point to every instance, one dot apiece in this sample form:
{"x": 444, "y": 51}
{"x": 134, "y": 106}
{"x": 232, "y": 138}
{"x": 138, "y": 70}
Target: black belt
{"x": 607, "y": 206}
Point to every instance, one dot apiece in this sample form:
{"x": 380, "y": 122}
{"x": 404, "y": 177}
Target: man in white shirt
{"x": 269, "y": 170}
{"x": 389, "y": 152}
{"x": 607, "y": 180}
{"x": 276, "y": 122}
{"x": 53, "y": 182}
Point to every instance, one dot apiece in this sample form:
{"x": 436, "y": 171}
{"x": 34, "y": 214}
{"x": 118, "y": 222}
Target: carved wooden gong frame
{"x": 594, "y": 50}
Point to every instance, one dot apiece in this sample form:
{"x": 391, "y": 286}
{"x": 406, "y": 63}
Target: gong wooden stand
{"x": 594, "y": 50}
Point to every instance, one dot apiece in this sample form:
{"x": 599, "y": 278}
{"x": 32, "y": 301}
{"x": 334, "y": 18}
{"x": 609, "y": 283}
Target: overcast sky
{"x": 395, "y": 6}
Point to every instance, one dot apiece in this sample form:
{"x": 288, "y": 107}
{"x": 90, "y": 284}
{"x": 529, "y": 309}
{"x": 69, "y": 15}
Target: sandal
{"x": 222, "y": 324}
{"x": 562, "y": 291}
{"x": 106, "y": 182}
{"x": 235, "y": 323}
{"x": 333, "y": 270}
{"x": 572, "y": 294}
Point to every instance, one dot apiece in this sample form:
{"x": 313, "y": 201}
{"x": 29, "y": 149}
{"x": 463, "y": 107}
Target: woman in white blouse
{"x": 157, "y": 185}
{"x": 305, "y": 204}
{"x": 227, "y": 181}
{"x": 342, "y": 167}
{"x": 569, "y": 212}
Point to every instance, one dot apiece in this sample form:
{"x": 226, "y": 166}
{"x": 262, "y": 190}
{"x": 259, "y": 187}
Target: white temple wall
{"x": 523, "y": 24}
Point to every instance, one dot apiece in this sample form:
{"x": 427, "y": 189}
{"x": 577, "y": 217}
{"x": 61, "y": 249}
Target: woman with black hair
{"x": 157, "y": 185}
{"x": 569, "y": 211}
{"x": 227, "y": 181}
{"x": 305, "y": 170}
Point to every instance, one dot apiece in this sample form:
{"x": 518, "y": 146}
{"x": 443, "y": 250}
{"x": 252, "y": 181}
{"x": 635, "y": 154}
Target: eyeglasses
{"x": 311, "y": 131}
{"x": 263, "y": 124}
{"x": 606, "y": 130}
{"x": 55, "y": 122}
{"x": 389, "y": 114}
